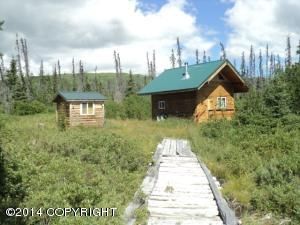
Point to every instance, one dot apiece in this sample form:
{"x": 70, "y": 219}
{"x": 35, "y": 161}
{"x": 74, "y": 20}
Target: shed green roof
{"x": 85, "y": 96}
{"x": 172, "y": 79}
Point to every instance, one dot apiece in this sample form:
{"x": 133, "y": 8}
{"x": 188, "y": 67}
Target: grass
{"x": 90, "y": 167}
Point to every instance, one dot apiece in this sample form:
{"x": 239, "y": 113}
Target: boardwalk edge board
{"x": 226, "y": 213}
{"x": 146, "y": 188}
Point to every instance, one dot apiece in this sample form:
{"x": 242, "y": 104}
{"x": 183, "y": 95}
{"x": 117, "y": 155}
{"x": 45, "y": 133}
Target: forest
{"x": 256, "y": 156}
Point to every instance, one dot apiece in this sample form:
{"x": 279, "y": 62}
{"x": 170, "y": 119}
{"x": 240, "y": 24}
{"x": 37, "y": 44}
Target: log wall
{"x": 181, "y": 104}
{"x": 201, "y": 104}
{"x": 207, "y": 101}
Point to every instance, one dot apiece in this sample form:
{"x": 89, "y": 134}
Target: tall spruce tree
{"x": 243, "y": 65}
{"x": 278, "y": 65}
{"x": 298, "y": 52}
{"x": 12, "y": 76}
{"x": 54, "y": 87}
{"x": 131, "y": 86}
{"x": 41, "y": 78}
{"x": 1, "y": 24}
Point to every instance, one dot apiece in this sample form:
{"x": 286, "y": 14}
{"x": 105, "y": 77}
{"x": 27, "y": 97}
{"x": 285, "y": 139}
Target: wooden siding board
{"x": 71, "y": 111}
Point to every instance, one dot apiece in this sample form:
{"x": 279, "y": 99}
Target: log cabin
{"x": 203, "y": 91}
{"x": 80, "y": 108}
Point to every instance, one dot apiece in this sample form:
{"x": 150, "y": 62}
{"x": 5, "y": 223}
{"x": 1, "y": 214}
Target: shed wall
{"x": 76, "y": 119}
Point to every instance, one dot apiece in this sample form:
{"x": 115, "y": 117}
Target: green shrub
{"x": 132, "y": 107}
{"x": 28, "y": 107}
{"x": 137, "y": 107}
{"x": 114, "y": 110}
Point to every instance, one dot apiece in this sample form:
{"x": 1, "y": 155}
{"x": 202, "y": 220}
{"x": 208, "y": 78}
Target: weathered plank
{"x": 181, "y": 194}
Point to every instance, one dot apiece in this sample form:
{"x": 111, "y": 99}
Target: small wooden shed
{"x": 80, "y": 108}
{"x": 202, "y": 91}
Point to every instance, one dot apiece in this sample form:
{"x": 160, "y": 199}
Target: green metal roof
{"x": 75, "y": 95}
{"x": 172, "y": 79}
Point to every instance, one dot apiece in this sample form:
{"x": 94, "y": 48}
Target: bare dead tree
{"x": 172, "y": 59}
{"x": 27, "y": 71}
{"x": 271, "y": 64}
{"x": 197, "y": 57}
{"x": 120, "y": 84}
{"x": 179, "y": 61}
{"x": 74, "y": 86}
{"x": 148, "y": 64}
{"x": 59, "y": 74}
{"x": 260, "y": 58}
{"x": 288, "y": 61}
{"x": 154, "y": 65}
{"x": 267, "y": 60}
{"x": 116, "y": 63}
{"x": 41, "y": 78}
{"x": 95, "y": 79}
{"x": 298, "y": 52}
{"x": 54, "y": 79}
{"x": 223, "y": 52}
{"x": 2, "y": 69}
{"x": 204, "y": 57}
{"x": 81, "y": 76}
{"x": 20, "y": 62}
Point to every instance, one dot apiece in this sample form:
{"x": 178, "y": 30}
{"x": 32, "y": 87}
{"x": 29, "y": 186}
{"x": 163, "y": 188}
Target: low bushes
{"x": 28, "y": 107}
{"x": 133, "y": 107}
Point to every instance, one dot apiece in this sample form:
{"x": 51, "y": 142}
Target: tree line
{"x": 18, "y": 85}
{"x": 256, "y": 70}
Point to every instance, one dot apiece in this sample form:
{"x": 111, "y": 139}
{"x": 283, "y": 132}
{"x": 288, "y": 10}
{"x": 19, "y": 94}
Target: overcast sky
{"x": 91, "y": 30}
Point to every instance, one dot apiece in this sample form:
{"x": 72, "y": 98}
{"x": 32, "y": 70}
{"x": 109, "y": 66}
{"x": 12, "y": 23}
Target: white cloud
{"x": 262, "y": 22}
{"x": 90, "y": 30}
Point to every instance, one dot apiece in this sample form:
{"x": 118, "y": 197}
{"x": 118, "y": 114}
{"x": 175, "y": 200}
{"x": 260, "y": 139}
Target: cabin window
{"x": 221, "y": 103}
{"x": 87, "y": 108}
{"x": 161, "y": 104}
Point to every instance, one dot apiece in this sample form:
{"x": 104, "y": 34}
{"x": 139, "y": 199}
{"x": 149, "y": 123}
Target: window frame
{"x": 219, "y": 100}
{"x": 161, "y": 105}
{"x": 87, "y": 109}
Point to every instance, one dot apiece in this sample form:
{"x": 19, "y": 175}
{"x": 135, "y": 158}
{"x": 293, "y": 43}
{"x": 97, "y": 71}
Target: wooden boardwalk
{"x": 181, "y": 194}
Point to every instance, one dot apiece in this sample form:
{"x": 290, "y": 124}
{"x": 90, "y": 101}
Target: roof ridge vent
{"x": 186, "y": 75}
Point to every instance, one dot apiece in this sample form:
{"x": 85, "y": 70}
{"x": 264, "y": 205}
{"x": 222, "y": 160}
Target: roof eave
{"x": 168, "y": 92}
